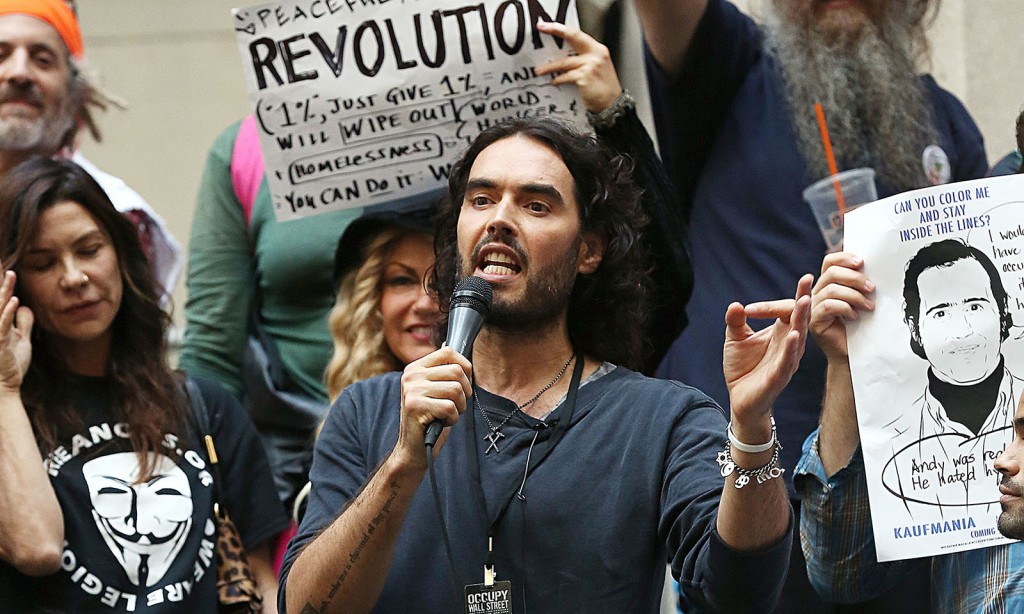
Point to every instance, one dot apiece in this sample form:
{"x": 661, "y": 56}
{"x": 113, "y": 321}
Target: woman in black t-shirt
{"x": 119, "y": 514}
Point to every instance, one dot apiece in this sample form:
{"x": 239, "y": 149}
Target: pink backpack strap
{"x": 247, "y": 166}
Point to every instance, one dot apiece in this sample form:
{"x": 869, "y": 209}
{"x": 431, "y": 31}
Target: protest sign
{"x": 361, "y": 102}
{"x": 937, "y": 365}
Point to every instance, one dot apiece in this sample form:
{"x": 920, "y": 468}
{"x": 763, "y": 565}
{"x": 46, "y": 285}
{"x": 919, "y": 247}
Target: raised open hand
{"x": 15, "y": 335}
{"x": 758, "y": 365}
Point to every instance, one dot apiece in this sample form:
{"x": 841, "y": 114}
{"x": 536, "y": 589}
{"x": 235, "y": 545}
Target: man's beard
{"x": 877, "y": 109}
{"x": 545, "y": 298}
{"x": 45, "y": 134}
{"x": 1010, "y": 524}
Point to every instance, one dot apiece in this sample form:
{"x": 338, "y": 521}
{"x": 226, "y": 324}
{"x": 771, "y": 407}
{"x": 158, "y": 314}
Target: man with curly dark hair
{"x": 607, "y": 312}
{"x": 564, "y": 479}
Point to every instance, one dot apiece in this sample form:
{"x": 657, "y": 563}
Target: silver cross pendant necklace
{"x": 495, "y": 431}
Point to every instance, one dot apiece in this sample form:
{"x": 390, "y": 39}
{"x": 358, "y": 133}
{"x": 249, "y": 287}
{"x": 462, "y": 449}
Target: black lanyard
{"x": 561, "y": 424}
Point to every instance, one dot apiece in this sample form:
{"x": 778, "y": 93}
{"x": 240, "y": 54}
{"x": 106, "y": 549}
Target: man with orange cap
{"x": 45, "y": 98}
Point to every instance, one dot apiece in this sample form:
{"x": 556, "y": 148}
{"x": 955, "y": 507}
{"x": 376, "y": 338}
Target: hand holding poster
{"x": 937, "y": 365}
{"x": 369, "y": 101}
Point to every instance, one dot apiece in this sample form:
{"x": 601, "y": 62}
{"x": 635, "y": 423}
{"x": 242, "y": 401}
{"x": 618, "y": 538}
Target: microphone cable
{"x": 440, "y": 518}
{"x": 470, "y": 302}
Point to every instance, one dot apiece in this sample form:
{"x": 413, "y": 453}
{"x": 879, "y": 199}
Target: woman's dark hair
{"x": 146, "y": 391}
{"x": 607, "y": 309}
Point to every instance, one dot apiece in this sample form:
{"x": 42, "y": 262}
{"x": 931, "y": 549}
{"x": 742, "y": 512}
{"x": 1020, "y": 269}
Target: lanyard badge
{"x": 491, "y": 597}
{"x": 495, "y": 598}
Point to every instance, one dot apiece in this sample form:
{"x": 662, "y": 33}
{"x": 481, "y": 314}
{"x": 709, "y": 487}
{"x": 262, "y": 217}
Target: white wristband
{"x": 748, "y": 448}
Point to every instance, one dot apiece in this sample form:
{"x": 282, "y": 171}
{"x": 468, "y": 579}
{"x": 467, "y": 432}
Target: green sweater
{"x": 293, "y": 262}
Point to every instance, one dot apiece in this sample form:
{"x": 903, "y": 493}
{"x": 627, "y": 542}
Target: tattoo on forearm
{"x": 353, "y": 557}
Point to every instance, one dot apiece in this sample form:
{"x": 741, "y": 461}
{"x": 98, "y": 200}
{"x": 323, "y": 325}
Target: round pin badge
{"x": 936, "y": 165}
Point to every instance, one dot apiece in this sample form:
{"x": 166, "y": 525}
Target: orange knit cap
{"x": 54, "y": 12}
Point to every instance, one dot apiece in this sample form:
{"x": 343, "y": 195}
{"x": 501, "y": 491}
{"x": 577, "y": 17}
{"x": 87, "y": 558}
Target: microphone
{"x": 470, "y": 303}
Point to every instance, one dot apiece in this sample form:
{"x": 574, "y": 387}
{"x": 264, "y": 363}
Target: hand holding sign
{"x": 370, "y": 103}
{"x": 839, "y": 296}
{"x": 591, "y": 69}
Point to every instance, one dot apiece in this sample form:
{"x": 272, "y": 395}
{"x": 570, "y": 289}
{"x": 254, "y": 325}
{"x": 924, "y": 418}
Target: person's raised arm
{"x": 757, "y": 366}
{"x": 835, "y": 523}
{"x": 31, "y": 522}
{"x": 668, "y": 27}
{"x": 345, "y": 567}
{"x": 842, "y": 292}
{"x": 592, "y": 72}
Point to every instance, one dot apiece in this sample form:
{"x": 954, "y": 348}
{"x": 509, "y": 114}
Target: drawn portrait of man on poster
{"x": 936, "y": 371}
{"x": 957, "y": 311}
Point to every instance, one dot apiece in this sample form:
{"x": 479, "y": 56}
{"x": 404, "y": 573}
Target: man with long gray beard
{"x": 734, "y": 107}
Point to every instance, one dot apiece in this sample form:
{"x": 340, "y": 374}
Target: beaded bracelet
{"x": 607, "y": 118}
{"x": 752, "y": 448}
{"x": 762, "y": 474}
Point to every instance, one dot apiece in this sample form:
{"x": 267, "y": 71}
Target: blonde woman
{"x": 383, "y": 318}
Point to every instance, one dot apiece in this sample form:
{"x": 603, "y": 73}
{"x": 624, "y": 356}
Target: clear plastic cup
{"x": 858, "y": 187}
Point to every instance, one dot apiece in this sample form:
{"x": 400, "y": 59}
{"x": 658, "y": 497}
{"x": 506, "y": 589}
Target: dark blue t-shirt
{"x": 726, "y": 138}
{"x": 633, "y": 483}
